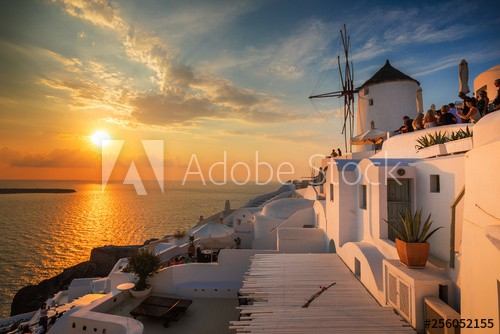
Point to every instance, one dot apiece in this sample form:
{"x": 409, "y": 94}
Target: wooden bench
{"x": 167, "y": 309}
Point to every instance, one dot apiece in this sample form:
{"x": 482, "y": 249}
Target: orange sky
{"x": 205, "y": 78}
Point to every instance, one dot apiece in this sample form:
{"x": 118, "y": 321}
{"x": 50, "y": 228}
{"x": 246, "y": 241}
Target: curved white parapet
{"x": 486, "y": 130}
{"x": 404, "y": 146}
{"x": 92, "y": 319}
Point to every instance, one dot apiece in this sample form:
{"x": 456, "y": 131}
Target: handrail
{"x": 452, "y": 226}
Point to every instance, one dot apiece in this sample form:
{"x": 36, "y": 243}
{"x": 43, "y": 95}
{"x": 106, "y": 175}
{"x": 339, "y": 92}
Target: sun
{"x": 99, "y": 136}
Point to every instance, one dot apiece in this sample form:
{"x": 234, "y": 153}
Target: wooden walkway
{"x": 280, "y": 284}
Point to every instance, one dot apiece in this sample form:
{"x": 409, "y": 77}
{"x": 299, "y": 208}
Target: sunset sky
{"x": 211, "y": 76}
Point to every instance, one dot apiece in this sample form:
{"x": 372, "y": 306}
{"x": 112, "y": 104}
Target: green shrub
{"x": 144, "y": 264}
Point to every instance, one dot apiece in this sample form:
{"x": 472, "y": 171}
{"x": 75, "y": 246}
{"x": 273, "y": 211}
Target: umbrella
{"x": 211, "y": 231}
{"x": 370, "y": 137}
{"x": 420, "y": 100}
{"x": 463, "y": 77}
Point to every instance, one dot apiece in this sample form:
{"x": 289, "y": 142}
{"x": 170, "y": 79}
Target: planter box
{"x": 432, "y": 151}
{"x": 459, "y": 146}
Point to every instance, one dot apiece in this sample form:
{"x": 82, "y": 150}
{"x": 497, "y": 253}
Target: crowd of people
{"x": 470, "y": 111}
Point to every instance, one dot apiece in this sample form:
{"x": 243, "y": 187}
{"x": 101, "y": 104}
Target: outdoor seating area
{"x": 165, "y": 308}
{"x": 204, "y": 315}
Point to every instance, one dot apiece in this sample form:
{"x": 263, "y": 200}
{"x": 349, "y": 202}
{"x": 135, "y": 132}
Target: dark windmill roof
{"x": 387, "y": 74}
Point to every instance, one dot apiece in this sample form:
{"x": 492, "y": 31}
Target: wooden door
{"x": 398, "y": 200}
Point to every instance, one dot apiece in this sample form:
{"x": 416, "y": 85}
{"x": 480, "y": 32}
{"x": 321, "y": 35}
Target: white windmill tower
{"x": 385, "y": 99}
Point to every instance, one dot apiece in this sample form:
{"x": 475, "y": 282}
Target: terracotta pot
{"x": 413, "y": 254}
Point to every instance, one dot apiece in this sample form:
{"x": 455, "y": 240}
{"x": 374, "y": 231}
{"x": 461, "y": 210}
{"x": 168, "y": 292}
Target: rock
{"x": 102, "y": 260}
{"x": 107, "y": 256}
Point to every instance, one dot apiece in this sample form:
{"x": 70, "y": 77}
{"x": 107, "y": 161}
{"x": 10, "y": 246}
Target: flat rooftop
{"x": 205, "y": 315}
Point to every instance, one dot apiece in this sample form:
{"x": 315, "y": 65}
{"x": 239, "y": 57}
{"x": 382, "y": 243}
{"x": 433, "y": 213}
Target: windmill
{"x": 347, "y": 92}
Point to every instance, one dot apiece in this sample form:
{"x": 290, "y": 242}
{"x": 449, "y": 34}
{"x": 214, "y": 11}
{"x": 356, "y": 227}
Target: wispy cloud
{"x": 390, "y": 29}
{"x": 184, "y": 95}
{"x": 452, "y": 60}
{"x": 287, "y": 58}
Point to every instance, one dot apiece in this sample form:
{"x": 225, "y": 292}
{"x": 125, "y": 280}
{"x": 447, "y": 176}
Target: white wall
{"x": 341, "y": 213}
{"x": 243, "y": 225}
{"x": 297, "y": 220}
{"x": 217, "y": 280}
{"x": 451, "y": 174}
{"x": 302, "y": 240}
{"x": 480, "y": 277}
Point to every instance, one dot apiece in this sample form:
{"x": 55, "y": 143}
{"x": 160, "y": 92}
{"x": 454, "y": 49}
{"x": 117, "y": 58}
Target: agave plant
{"x": 438, "y": 138}
{"x": 410, "y": 228}
{"x": 431, "y": 139}
{"x": 461, "y": 134}
{"x": 423, "y": 142}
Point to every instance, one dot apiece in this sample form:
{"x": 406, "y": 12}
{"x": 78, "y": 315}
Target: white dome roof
{"x": 285, "y": 207}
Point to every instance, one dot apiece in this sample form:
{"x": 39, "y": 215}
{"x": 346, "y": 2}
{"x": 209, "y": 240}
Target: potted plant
{"x": 411, "y": 243}
{"x": 144, "y": 265}
{"x": 191, "y": 247}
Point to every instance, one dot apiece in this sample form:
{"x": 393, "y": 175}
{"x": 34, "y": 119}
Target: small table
{"x": 125, "y": 286}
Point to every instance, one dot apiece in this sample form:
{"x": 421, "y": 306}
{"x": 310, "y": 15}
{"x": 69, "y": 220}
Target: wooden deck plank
{"x": 281, "y": 283}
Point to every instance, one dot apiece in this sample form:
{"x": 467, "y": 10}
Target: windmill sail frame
{"x": 348, "y": 91}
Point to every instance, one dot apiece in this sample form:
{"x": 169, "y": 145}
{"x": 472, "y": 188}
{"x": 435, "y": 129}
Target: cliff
{"x": 101, "y": 262}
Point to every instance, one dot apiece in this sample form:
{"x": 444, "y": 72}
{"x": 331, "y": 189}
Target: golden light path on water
{"x": 45, "y": 233}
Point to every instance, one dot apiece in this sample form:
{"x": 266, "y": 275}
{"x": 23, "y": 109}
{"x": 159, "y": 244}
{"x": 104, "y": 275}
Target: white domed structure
{"x": 285, "y": 207}
{"x": 385, "y": 98}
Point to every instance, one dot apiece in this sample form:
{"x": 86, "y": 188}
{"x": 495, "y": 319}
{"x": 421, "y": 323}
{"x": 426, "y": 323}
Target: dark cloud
{"x": 164, "y": 109}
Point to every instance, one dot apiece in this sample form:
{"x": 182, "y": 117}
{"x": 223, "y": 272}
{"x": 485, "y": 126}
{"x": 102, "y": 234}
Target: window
{"x": 357, "y": 268}
{"x": 331, "y": 192}
{"x": 362, "y": 196}
{"x": 435, "y": 187}
{"x": 370, "y": 102}
{"x": 367, "y": 91}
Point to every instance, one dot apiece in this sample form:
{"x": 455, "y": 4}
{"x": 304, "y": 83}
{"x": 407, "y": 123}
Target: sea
{"x": 42, "y": 234}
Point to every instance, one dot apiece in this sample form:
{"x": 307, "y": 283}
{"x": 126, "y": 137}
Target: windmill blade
{"x": 332, "y": 94}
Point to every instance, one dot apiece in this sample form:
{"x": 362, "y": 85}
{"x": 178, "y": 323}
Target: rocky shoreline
{"x": 102, "y": 260}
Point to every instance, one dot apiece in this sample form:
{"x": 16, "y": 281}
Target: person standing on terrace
{"x": 482, "y": 104}
{"x": 496, "y": 101}
{"x": 453, "y": 111}
{"x": 430, "y": 119}
{"x": 407, "y": 127}
{"x": 446, "y": 117}
{"x": 473, "y": 113}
